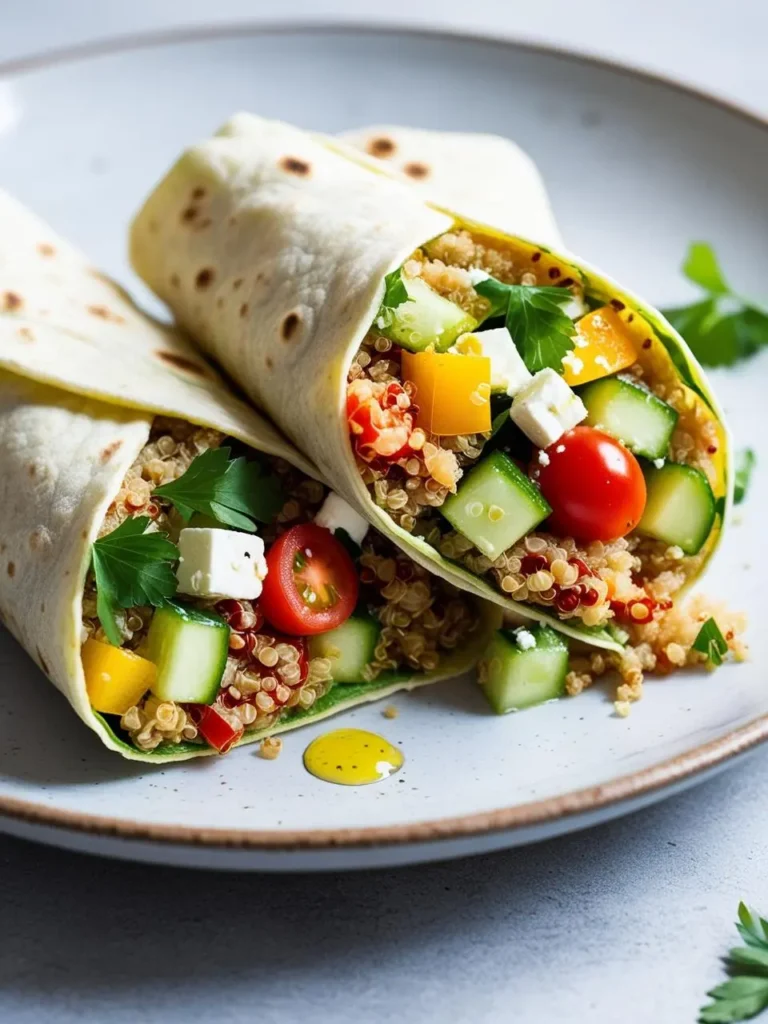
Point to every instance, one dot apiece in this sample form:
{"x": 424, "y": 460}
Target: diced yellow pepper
{"x": 603, "y": 345}
{"x": 453, "y": 392}
{"x": 116, "y": 679}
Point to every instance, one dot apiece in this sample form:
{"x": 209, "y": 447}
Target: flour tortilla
{"x": 271, "y": 247}
{"x": 65, "y": 449}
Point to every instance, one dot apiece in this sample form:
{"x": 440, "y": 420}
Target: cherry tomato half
{"x": 311, "y": 584}
{"x": 594, "y": 484}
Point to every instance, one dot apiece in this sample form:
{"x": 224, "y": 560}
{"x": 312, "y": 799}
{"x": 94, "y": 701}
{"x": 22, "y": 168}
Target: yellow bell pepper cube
{"x": 603, "y": 345}
{"x": 453, "y": 392}
{"x": 116, "y": 679}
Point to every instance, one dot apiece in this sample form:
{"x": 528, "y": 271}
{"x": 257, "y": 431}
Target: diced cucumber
{"x": 496, "y": 504}
{"x": 190, "y": 649}
{"x": 630, "y": 413}
{"x": 680, "y": 508}
{"x": 524, "y": 667}
{"x": 425, "y": 319}
{"x": 349, "y": 647}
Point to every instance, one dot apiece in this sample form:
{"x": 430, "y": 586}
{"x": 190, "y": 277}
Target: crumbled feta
{"x": 476, "y": 275}
{"x": 602, "y": 361}
{"x": 544, "y": 459}
{"x": 560, "y": 449}
{"x": 658, "y": 463}
{"x": 336, "y": 514}
{"x": 572, "y": 362}
{"x": 525, "y": 639}
{"x": 575, "y": 308}
{"x": 580, "y": 341}
{"x": 220, "y": 563}
{"x": 546, "y": 407}
{"x": 508, "y": 371}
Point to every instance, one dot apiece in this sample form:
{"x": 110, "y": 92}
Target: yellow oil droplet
{"x": 352, "y": 757}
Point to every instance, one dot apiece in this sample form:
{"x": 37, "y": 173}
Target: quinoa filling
{"x": 411, "y": 471}
{"x": 268, "y": 675}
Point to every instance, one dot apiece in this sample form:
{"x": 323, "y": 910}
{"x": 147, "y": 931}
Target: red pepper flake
{"x": 647, "y": 343}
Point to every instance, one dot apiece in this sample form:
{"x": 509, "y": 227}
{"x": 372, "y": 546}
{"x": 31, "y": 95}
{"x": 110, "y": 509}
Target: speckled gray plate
{"x": 636, "y": 169}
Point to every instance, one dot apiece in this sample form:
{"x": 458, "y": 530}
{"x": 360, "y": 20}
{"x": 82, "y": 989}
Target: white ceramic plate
{"x": 636, "y": 169}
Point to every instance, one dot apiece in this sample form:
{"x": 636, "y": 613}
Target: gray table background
{"x": 623, "y": 923}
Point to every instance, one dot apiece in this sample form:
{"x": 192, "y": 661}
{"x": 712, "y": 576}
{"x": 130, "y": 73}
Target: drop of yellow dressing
{"x": 352, "y": 757}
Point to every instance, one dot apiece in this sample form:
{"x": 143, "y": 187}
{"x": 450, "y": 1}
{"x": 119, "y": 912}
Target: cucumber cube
{"x": 425, "y": 319}
{"x": 631, "y": 414}
{"x": 349, "y": 647}
{"x": 524, "y": 667}
{"x": 496, "y": 504}
{"x": 190, "y": 648}
{"x": 680, "y": 508}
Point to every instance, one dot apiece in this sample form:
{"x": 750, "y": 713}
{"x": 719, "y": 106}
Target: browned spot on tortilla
{"x": 618, "y": 305}
{"x": 232, "y": 221}
{"x": 554, "y": 273}
{"x": 42, "y": 607}
{"x": 105, "y": 313}
{"x": 189, "y": 214}
{"x": 25, "y": 333}
{"x": 46, "y": 249}
{"x": 39, "y": 539}
{"x": 175, "y": 281}
{"x": 109, "y": 451}
{"x": 220, "y": 302}
{"x": 11, "y": 569}
{"x": 416, "y": 170}
{"x": 153, "y": 227}
{"x": 294, "y": 165}
{"x": 12, "y": 301}
{"x": 535, "y": 257}
{"x": 42, "y": 661}
{"x": 244, "y": 309}
{"x": 198, "y": 193}
{"x": 181, "y": 362}
{"x": 290, "y": 323}
{"x": 32, "y": 472}
{"x": 204, "y": 278}
{"x": 269, "y": 363}
{"x": 84, "y": 534}
{"x": 237, "y": 283}
{"x": 3, "y": 546}
{"x": 381, "y": 146}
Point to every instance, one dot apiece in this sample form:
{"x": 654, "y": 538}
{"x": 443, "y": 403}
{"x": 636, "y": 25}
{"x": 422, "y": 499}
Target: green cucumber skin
{"x": 514, "y": 492}
{"x": 603, "y": 400}
{"x": 517, "y": 679}
{"x": 424, "y": 305}
{"x": 361, "y": 631}
{"x": 689, "y": 530}
{"x": 161, "y": 648}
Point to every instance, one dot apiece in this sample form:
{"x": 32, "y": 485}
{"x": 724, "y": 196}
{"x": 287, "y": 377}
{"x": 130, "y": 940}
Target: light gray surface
{"x": 625, "y": 922}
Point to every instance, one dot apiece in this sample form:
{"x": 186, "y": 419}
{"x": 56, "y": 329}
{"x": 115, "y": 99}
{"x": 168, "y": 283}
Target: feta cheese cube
{"x": 336, "y": 514}
{"x": 546, "y": 407}
{"x": 220, "y": 563}
{"x": 508, "y": 371}
{"x": 524, "y": 639}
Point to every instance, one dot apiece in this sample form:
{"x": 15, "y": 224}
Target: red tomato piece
{"x": 311, "y": 584}
{"x": 594, "y": 484}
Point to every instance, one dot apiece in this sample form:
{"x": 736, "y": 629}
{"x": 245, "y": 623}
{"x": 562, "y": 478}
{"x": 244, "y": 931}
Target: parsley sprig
{"x": 132, "y": 567}
{"x": 533, "y": 315}
{"x": 233, "y": 492}
{"x": 395, "y": 293}
{"x": 710, "y": 641}
{"x": 745, "y": 463}
{"x": 724, "y": 327}
{"x": 746, "y": 993}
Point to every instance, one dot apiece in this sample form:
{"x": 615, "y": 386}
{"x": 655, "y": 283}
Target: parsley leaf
{"x": 533, "y": 316}
{"x": 232, "y": 492}
{"x": 745, "y": 463}
{"x": 724, "y": 327}
{"x": 395, "y": 293}
{"x": 745, "y": 994}
{"x": 711, "y": 642}
{"x": 131, "y": 567}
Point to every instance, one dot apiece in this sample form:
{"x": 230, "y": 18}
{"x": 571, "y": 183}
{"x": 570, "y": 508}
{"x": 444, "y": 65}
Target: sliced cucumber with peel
{"x": 630, "y": 413}
{"x": 190, "y": 648}
{"x": 496, "y": 504}
{"x": 349, "y": 647}
{"x": 425, "y": 319}
{"x": 680, "y": 508}
{"x": 524, "y": 667}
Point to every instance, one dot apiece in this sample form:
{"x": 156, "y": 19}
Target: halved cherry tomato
{"x": 594, "y": 484}
{"x": 311, "y": 584}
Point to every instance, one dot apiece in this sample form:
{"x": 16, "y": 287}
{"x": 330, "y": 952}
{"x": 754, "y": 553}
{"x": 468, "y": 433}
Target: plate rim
{"x": 694, "y": 762}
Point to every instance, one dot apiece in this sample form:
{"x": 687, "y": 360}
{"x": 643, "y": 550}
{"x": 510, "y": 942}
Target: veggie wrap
{"x": 511, "y": 417}
{"x": 144, "y": 508}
